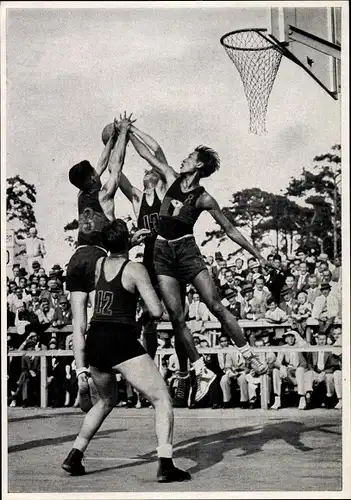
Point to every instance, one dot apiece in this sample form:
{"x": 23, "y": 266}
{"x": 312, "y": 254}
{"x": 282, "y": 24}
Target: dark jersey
{"x": 91, "y": 218}
{"x": 113, "y": 303}
{"x": 148, "y": 219}
{"x": 178, "y": 212}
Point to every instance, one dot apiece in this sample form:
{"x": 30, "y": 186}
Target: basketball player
{"x": 112, "y": 346}
{"x": 95, "y": 210}
{"x": 177, "y": 258}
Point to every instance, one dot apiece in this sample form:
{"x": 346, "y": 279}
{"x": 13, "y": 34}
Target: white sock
{"x": 245, "y": 351}
{"x": 198, "y": 365}
{"x": 165, "y": 451}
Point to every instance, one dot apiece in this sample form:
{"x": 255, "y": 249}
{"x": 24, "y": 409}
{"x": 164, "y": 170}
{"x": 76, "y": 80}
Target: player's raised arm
{"x": 161, "y": 167}
{"x": 150, "y": 143}
{"x": 209, "y": 204}
{"x": 117, "y": 157}
{"x": 146, "y": 290}
{"x": 132, "y": 193}
{"x": 105, "y": 155}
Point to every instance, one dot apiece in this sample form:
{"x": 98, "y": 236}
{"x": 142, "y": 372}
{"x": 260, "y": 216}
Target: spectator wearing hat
{"x": 324, "y": 368}
{"x": 35, "y": 269}
{"x": 274, "y": 314}
{"x": 325, "y": 308}
{"x": 251, "y": 308}
{"x": 234, "y": 370}
{"x": 261, "y": 292}
{"x": 288, "y": 303}
{"x": 231, "y": 302}
{"x": 313, "y": 290}
{"x": 290, "y": 368}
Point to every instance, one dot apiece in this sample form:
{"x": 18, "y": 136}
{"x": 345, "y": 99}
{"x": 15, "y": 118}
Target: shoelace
{"x": 180, "y": 392}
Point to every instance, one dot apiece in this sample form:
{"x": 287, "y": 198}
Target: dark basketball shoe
{"x": 73, "y": 463}
{"x": 168, "y": 473}
{"x": 181, "y": 393}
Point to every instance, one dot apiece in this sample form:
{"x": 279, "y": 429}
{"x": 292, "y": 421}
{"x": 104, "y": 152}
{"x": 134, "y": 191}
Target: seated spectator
{"x": 28, "y": 383}
{"x": 45, "y": 314}
{"x": 324, "y": 368}
{"x": 198, "y": 314}
{"x": 326, "y": 279}
{"x": 262, "y": 339}
{"x": 15, "y": 273}
{"x": 320, "y": 268}
{"x": 229, "y": 281}
{"x": 10, "y": 318}
{"x": 301, "y": 314}
{"x": 214, "y": 396}
{"x": 288, "y": 303}
{"x": 337, "y": 272}
{"x": 231, "y": 303}
{"x": 42, "y": 273}
{"x": 234, "y": 369}
{"x": 323, "y": 257}
{"x": 34, "y": 289}
{"x": 251, "y": 308}
{"x": 290, "y": 368}
{"x": 290, "y": 282}
{"x": 238, "y": 268}
{"x": 325, "y": 309}
{"x": 63, "y": 314}
{"x": 261, "y": 292}
{"x": 43, "y": 288}
{"x": 276, "y": 278}
{"x": 274, "y": 314}
{"x": 312, "y": 290}
{"x": 25, "y": 316}
{"x": 58, "y": 273}
{"x": 311, "y": 260}
{"x": 56, "y": 376}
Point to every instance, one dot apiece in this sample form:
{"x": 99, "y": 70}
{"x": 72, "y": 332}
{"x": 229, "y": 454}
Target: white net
{"x": 257, "y": 61}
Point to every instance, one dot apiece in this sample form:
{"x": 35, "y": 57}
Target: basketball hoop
{"x": 257, "y": 59}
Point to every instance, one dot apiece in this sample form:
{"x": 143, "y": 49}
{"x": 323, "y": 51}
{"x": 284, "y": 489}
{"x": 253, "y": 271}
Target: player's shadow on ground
{"x": 40, "y": 416}
{"x": 36, "y": 443}
{"x": 209, "y": 450}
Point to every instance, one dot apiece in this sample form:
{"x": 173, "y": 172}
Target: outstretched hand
{"x": 124, "y": 122}
{"x": 138, "y": 237}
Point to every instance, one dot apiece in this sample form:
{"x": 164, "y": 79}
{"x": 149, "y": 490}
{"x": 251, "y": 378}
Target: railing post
{"x": 264, "y": 385}
{"x": 43, "y": 382}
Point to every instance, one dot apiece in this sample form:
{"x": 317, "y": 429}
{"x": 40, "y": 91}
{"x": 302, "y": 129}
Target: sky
{"x": 70, "y": 71}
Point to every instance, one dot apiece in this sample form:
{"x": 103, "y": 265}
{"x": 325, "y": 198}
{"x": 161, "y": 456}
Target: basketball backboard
{"x": 312, "y": 36}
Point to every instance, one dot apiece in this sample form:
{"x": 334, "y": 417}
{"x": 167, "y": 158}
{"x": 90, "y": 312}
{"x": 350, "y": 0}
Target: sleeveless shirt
{"x": 113, "y": 303}
{"x": 91, "y": 218}
{"x": 149, "y": 219}
{"x": 178, "y": 212}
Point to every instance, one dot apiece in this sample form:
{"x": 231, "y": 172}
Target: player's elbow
{"x": 156, "y": 311}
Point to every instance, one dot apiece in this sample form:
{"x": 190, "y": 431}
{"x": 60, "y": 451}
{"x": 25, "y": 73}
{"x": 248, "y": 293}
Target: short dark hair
{"x": 277, "y": 257}
{"x": 80, "y": 173}
{"x": 115, "y": 236}
{"x": 271, "y": 300}
{"x": 210, "y": 160}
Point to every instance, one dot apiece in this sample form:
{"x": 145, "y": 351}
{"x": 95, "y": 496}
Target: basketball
{"x": 106, "y": 133}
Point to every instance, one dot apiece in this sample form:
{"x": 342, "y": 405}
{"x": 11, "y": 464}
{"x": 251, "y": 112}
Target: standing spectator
{"x": 302, "y": 280}
{"x": 276, "y": 278}
{"x": 234, "y": 370}
{"x": 324, "y": 367}
{"x": 28, "y": 383}
{"x": 35, "y": 248}
{"x": 325, "y": 308}
{"x": 274, "y": 314}
{"x": 290, "y": 368}
{"x": 313, "y": 290}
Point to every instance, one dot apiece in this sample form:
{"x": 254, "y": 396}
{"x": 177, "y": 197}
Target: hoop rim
{"x": 256, "y": 30}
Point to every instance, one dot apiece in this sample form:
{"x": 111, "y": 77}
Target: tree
{"x": 287, "y": 219}
{"x": 321, "y": 189}
{"x": 20, "y": 201}
{"x": 248, "y": 209}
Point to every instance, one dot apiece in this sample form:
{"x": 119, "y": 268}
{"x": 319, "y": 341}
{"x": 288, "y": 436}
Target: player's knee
{"x": 177, "y": 318}
{"x": 161, "y": 401}
{"x": 109, "y": 403}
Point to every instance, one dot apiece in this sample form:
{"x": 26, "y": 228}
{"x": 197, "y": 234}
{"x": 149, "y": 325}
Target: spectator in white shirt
{"x": 274, "y": 314}
{"x": 326, "y": 278}
{"x": 302, "y": 279}
{"x": 198, "y": 314}
{"x": 261, "y": 292}
{"x": 325, "y": 308}
{"x": 313, "y": 290}
{"x": 35, "y": 248}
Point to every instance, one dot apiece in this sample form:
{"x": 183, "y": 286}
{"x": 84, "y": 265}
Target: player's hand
{"x": 82, "y": 381}
{"x": 124, "y": 121}
{"x": 139, "y": 236}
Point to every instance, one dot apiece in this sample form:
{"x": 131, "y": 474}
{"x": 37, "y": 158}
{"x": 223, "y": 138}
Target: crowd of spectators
{"x": 293, "y": 290}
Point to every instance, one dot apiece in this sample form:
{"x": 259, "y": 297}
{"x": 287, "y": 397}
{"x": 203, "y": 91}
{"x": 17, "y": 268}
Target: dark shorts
{"x": 180, "y": 259}
{"x": 81, "y": 269}
{"x": 109, "y": 344}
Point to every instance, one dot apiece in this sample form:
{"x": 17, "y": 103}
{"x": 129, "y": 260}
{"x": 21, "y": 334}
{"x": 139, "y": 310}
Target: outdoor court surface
{"x": 224, "y": 450}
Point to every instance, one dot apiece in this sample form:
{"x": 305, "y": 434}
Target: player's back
{"x": 91, "y": 218}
